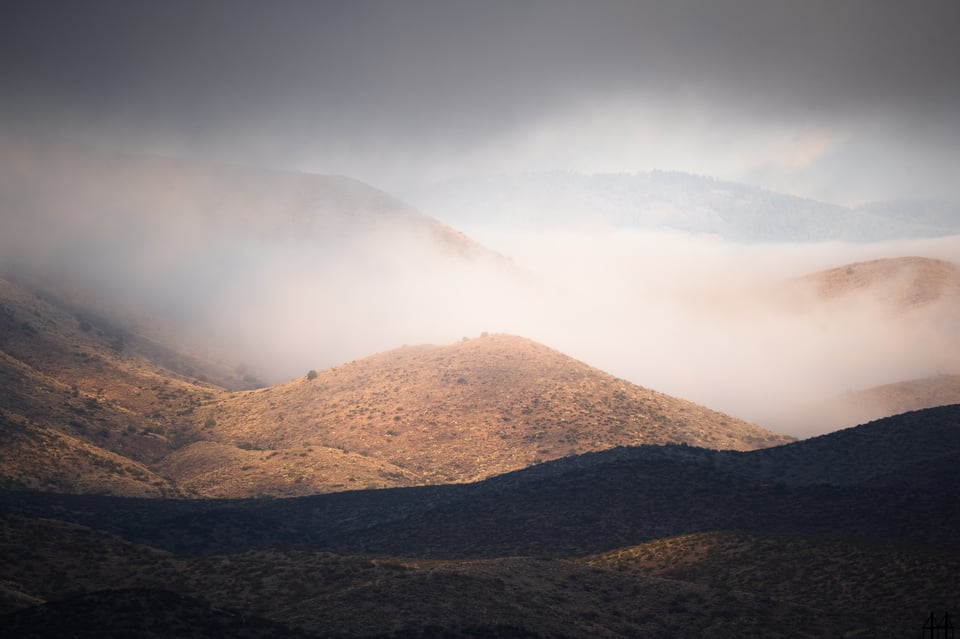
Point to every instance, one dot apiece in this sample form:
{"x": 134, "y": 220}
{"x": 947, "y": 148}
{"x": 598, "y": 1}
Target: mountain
{"x": 92, "y": 408}
{"x": 140, "y": 613}
{"x": 88, "y": 407}
{"x": 463, "y": 412}
{"x": 853, "y": 533}
{"x": 856, "y": 407}
{"x": 126, "y": 587}
{"x": 887, "y": 331}
{"x": 846, "y": 578}
{"x": 240, "y": 265}
{"x": 891, "y": 479}
{"x": 900, "y": 284}
{"x": 931, "y": 213}
{"x": 674, "y": 201}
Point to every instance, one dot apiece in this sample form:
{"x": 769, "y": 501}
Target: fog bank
{"x": 284, "y": 272}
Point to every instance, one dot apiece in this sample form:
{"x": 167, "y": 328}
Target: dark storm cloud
{"x": 353, "y": 82}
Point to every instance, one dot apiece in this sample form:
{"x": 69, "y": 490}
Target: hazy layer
{"x": 283, "y": 273}
{"x": 728, "y": 325}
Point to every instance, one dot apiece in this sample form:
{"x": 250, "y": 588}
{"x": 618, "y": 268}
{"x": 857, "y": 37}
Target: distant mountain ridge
{"x": 679, "y": 202}
{"x": 241, "y": 261}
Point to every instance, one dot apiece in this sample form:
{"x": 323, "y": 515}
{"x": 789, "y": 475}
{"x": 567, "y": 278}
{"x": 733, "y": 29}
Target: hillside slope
{"x": 470, "y": 410}
{"x": 857, "y": 407}
{"x": 899, "y": 284}
{"x": 886, "y": 585}
{"x": 413, "y": 416}
{"x": 894, "y": 479}
{"x": 237, "y": 263}
{"x": 342, "y": 596}
{"x": 850, "y": 534}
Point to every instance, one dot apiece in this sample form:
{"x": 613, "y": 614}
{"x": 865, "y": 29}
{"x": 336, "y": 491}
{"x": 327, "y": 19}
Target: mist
{"x": 736, "y": 327}
{"x": 280, "y": 273}
{"x": 210, "y": 171}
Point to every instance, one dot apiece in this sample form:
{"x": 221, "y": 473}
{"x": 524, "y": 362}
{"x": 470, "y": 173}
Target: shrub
{"x": 312, "y": 374}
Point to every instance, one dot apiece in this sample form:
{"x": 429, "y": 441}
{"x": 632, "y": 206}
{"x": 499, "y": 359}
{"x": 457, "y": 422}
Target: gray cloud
{"x": 392, "y": 91}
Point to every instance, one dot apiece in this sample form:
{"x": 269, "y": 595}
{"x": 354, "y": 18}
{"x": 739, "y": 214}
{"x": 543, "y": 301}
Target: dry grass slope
{"x": 470, "y": 410}
{"x": 40, "y": 458}
{"x": 412, "y": 416}
{"x": 221, "y": 470}
{"x": 902, "y": 283}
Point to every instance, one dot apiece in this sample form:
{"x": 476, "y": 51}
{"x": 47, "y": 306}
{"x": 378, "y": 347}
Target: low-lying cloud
{"x": 283, "y": 284}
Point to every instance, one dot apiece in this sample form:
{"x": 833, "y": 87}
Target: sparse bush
{"x": 312, "y": 374}
{"x": 210, "y": 422}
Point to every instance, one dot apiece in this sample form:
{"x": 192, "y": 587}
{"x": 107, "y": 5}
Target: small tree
{"x": 312, "y": 375}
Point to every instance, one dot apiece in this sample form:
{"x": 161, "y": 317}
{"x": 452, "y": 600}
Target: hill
{"x": 674, "y": 201}
{"x": 885, "y": 336}
{"x": 322, "y": 594}
{"x": 236, "y": 265}
{"x": 856, "y": 407}
{"x": 470, "y": 410}
{"x": 93, "y": 408}
{"x": 899, "y": 284}
{"x": 886, "y": 586}
{"x": 87, "y": 406}
{"x": 891, "y": 479}
{"x": 850, "y": 533}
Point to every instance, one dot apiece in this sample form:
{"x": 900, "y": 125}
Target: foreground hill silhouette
{"x": 852, "y": 532}
{"x": 891, "y": 479}
{"x": 322, "y": 594}
{"x": 848, "y": 578}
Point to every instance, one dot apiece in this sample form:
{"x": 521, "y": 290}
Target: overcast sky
{"x": 845, "y": 101}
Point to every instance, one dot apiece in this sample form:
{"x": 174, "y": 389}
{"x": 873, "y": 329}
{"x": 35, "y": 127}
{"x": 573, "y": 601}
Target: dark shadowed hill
{"x": 889, "y": 587}
{"x": 868, "y": 481}
{"x": 126, "y": 589}
{"x": 159, "y": 614}
{"x": 850, "y": 533}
